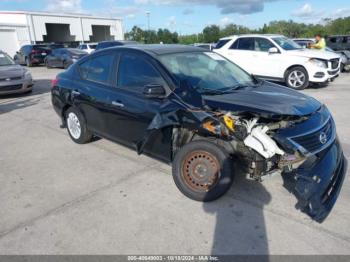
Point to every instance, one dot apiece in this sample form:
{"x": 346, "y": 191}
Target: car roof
{"x": 338, "y": 35}
{"x": 251, "y": 35}
{"x": 162, "y": 49}
{"x": 303, "y": 39}
{"x": 117, "y": 41}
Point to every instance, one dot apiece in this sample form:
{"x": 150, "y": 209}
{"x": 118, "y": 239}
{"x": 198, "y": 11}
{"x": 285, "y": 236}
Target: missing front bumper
{"x": 318, "y": 184}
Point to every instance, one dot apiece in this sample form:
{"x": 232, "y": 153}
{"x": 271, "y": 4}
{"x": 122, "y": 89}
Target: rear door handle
{"x": 118, "y": 104}
{"x": 76, "y": 93}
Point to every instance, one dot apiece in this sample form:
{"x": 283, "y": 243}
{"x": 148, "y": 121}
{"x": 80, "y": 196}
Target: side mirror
{"x": 273, "y": 50}
{"x": 154, "y": 91}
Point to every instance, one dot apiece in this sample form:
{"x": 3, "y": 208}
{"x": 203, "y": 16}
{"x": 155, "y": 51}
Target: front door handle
{"x": 118, "y": 104}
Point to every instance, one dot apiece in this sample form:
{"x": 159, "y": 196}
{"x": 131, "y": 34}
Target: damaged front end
{"x": 302, "y": 147}
{"x": 305, "y": 148}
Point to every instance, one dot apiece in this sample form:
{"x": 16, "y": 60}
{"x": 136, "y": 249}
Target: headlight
{"x": 319, "y": 63}
{"x": 27, "y": 75}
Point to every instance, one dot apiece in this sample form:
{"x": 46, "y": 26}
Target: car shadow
{"x": 240, "y": 225}
{"x": 12, "y": 102}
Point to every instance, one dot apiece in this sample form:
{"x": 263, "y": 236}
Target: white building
{"x": 20, "y": 28}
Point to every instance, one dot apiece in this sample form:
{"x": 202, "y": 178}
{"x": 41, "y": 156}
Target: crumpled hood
{"x": 11, "y": 71}
{"x": 266, "y": 100}
{"x": 325, "y": 55}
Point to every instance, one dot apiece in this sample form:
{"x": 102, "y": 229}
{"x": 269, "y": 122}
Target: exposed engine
{"x": 252, "y": 141}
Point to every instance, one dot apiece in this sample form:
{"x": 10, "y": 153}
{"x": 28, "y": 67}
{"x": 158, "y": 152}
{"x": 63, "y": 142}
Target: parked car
{"x": 339, "y": 42}
{"x": 277, "y": 58}
{"x": 55, "y": 46}
{"x": 207, "y": 46}
{"x": 64, "y": 57}
{"x": 107, "y": 44}
{"x": 205, "y": 116}
{"x": 30, "y": 55}
{"x": 344, "y": 59}
{"x": 89, "y": 48}
{"x": 13, "y": 78}
{"x": 344, "y": 55}
{"x": 304, "y": 42}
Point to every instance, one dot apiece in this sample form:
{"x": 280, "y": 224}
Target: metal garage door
{"x": 8, "y": 41}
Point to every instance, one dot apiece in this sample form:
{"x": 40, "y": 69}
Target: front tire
{"x": 297, "y": 78}
{"x": 76, "y": 126}
{"x": 203, "y": 171}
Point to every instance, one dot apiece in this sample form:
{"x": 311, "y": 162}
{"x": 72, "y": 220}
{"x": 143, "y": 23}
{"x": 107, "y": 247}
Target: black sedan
{"x": 205, "y": 116}
{"x": 107, "y": 44}
{"x": 63, "y": 57}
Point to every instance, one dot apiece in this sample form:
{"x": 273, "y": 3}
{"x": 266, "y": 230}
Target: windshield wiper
{"x": 205, "y": 91}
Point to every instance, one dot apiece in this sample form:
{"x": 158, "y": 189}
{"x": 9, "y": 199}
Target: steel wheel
{"x": 74, "y": 126}
{"x": 200, "y": 171}
{"x": 296, "y": 79}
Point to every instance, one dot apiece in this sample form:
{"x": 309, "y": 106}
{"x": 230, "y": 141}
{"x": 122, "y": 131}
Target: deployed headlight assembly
{"x": 318, "y": 62}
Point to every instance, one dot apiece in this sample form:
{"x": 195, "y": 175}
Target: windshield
{"x": 6, "y": 60}
{"x": 286, "y": 43}
{"x": 206, "y": 71}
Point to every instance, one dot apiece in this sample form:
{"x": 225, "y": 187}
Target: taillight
{"x": 54, "y": 82}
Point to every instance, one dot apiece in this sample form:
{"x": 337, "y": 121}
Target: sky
{"x": 191, "y": 16}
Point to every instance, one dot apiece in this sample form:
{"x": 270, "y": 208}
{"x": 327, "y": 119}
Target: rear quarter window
{"x": 221, "y": 43}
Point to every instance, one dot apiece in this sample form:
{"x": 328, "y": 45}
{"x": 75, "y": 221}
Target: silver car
{"x": 13, "y": 78}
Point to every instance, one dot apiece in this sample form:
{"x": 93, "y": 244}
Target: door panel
{"x": 266, "y": 64}
{"x": 132, "y": 110}
{"x": 92, "y": 93}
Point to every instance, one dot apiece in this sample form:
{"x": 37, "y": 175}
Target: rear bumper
{"x": 319, "y": 182}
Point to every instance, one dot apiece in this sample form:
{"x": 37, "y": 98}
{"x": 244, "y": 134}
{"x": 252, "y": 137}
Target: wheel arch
{"x": 291, "y": 67}
{"x": 183, "y": 136}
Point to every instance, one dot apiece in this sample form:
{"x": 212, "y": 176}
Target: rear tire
{"x": 203, "y": 171}
{"x": 297, "y": 78}
{"x": 342, "y": 68}
{"x": 65, "y": 65}
{"x": 76, "y": 126}
{"x": 28, "y": 62}
{"x": 47, "y": 64}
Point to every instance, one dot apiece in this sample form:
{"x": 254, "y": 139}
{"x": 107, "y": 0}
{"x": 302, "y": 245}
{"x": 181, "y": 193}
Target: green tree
{"x": 136, "y": 34}
{"x": 211, "y": 34}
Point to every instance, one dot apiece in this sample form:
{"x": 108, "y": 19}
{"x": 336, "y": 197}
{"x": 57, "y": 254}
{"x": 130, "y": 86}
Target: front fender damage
{"x": 317, "y": 180}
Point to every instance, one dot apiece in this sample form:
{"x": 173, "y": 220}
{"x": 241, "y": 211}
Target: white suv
{"x": 277, "y": 58}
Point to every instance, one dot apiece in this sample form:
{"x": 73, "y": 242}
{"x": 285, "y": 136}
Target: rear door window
{"x": 98, "y": 69}
{"x": 246, "y": 43}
